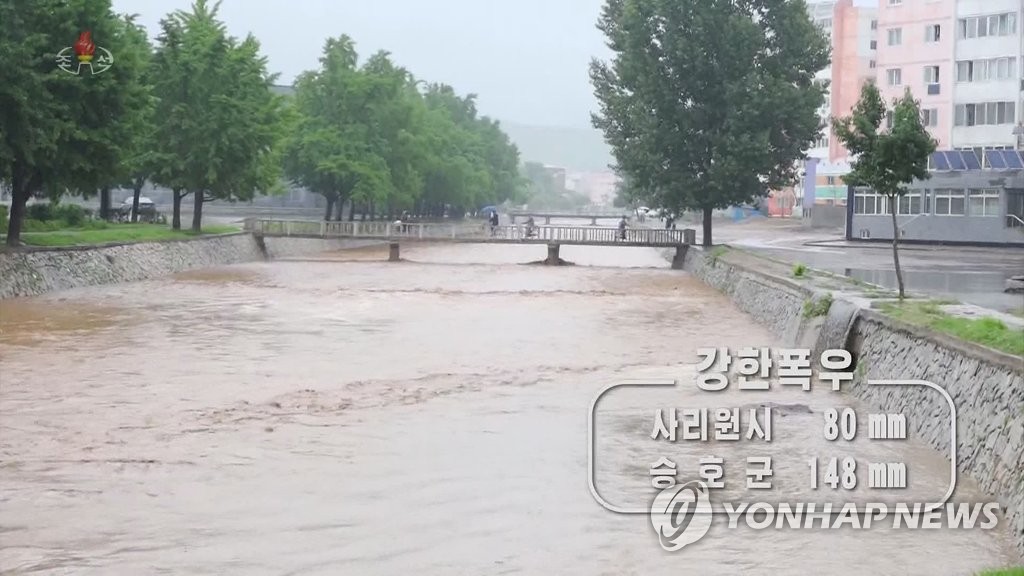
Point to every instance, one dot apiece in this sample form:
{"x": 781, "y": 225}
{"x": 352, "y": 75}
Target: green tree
{"x": 886, "y": 161}
{"x": 709, "y": 119}
{"x": 62, "y": 132}
{"x": 331, "y": 150}
{"x": 218, "y": 121}
{"x": 137, "y": 159}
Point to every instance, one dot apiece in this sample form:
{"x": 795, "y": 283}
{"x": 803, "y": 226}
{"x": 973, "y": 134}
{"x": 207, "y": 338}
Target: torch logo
{"x": 97, "y": 58}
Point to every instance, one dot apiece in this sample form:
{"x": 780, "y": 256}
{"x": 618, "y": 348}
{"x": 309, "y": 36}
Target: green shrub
{"x": 42, "y": 211}
{"x": 71, "y": 214}
{"x": 819, "y": 307}
{"x": 799, "y": 271}
{"x": 33, "y": 225}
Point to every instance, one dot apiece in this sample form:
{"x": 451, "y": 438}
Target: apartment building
{"x": 964, "y": 61}
{"x": 852, "y": 31}
{"x": 988, "y": 56}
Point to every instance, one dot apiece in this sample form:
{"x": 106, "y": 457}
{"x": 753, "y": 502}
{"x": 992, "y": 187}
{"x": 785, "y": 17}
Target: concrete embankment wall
{"x": 987, "y": 387}
{"x": 33, "y": 271}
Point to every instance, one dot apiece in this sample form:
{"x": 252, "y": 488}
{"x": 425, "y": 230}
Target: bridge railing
{"x": 390, "y": 230}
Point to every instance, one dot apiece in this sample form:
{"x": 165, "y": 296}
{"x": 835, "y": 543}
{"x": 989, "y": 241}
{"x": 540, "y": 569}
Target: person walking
{"x": 622, "y": 228}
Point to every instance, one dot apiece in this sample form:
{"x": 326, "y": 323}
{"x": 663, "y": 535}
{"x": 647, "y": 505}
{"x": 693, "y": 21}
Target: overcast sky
{"x": 526, "y": 59}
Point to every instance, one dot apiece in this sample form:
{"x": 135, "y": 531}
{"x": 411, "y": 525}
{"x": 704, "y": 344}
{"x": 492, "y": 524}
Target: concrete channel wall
{"x": 987, "y": 387}
{"x": 34, "y": 271}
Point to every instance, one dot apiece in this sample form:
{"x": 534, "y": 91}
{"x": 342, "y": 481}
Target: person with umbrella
{"x": 494, "y": 221}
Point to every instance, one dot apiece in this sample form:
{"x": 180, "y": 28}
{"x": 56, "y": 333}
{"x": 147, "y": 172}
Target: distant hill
{"x": 576, "y": 149}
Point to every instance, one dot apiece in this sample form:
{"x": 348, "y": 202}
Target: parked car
{"x": 147, "y": 210}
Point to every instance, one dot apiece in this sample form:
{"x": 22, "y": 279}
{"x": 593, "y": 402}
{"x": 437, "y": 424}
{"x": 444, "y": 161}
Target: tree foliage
{"x": 195, "y": 113}
{"x": 61, "y": 132}
{"x": 702, "y": 119}
{"x": 219, "y": 121}
{"x": 886, "y": 160}
{"x": 366, "y": 135}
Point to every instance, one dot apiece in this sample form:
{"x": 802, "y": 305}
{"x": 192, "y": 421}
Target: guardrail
{"x": 475, "y": 231}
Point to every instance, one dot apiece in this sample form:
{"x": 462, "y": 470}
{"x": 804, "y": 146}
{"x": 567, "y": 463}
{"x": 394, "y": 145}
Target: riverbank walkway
{"x": 476, "y": 233}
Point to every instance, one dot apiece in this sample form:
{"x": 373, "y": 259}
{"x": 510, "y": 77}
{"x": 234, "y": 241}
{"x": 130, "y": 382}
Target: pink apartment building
{"x": 854, "y": 44}
{"x": 915, "y": 51}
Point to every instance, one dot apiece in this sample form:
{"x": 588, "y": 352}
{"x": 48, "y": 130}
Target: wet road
{"x": 342, "y": 415}
{"x": 966, "y": 274}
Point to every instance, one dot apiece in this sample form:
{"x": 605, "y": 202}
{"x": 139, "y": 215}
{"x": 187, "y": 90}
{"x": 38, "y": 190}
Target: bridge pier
{"x": 680, "y": 257}
{"x": 553, "y": 259}
{"x": 393, "y": 252}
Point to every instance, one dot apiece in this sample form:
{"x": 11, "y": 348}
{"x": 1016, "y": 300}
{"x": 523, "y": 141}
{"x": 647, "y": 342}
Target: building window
{"x": 874, "y": 24}
{"x": 821, "y": 142}
{"x": 895, "y": 2}
{"x": 984, "y": 202}
{"x": 913, "y": 203}
{"x": 931, "y": 74}
{"x": 985, "y": 114}
{"x": 894, "y": 76}
{"x": 986, "y": 26}
{"x": 830, "y": 180}
{"x": 874, "y": 44}
{"x": 867, "y": 202}
{"x": 888, "y": 119}
{"x": 932, "y": 33}
{"x": 986, "y": 70}
{"x": 930, "y": 117}
{"x": 872, "y": 64}
{"x": 895, "y": 36}
{"x": 949, "y": 202}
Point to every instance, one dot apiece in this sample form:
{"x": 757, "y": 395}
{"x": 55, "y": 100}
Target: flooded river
{"x": 343, "y": 415}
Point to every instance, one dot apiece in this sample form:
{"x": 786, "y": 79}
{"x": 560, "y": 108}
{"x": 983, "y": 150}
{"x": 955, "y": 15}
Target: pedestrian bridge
{"x": 477, "y": 233}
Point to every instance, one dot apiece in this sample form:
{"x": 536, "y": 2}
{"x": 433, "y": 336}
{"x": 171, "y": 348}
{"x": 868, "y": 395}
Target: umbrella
{"x": 489, "y": 209}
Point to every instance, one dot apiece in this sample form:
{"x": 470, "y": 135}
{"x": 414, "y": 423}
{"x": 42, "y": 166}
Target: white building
{"x": 988, "y": 92}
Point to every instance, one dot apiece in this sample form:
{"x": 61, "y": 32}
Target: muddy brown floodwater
{"x": 343, "y": 415}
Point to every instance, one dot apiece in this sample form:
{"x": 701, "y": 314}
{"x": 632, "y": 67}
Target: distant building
{"x": 557, "y": 174}
{"x": 971, "y": 198}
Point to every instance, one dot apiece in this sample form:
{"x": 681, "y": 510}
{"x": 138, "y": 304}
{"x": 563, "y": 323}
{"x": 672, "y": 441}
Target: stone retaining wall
{"x": 987, "y": 387}
{"x": 33, "y": 271}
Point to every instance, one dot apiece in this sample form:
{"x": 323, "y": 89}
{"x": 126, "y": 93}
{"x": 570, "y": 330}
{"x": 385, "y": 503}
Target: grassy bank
{"x": 988, "y": 332}
{"x": 1004, "y": 572}
{"x": 107, "y": 233}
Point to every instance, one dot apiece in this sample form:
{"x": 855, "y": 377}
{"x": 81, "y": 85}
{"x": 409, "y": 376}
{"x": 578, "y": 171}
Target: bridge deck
{"x": 468, "y": 233}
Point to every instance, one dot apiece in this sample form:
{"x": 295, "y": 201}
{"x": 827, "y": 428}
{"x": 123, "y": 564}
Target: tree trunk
{"x": 339, "y": 206}
{"x": 895, "y": 245}
{"x": 373, "y": 212}
{"x": 330, "y": 206}
{"x": 105, "y": 203}
{"x": 176, "y": 216}
{"x": 19, "y": 197}
{"x": 706, "y": 241}
{"x": 351, "y": 211}
{"x": 197, "y": 211}
{"x": 136, "y": 193}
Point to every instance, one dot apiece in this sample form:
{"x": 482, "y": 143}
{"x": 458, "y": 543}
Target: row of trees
{"x": 195, "y": 113}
